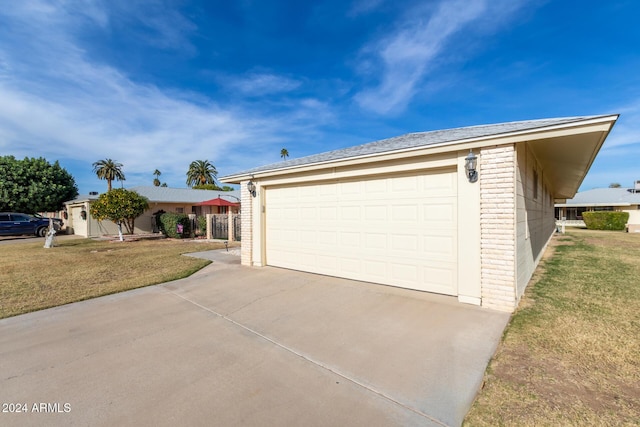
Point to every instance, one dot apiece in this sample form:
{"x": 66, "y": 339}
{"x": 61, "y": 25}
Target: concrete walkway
{"x": 238, "y": 346}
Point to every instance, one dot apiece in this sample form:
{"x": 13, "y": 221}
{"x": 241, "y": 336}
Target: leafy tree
{"x": 201, "y": 172}
{"x": 615, "y": 185}
{"x": 284, "y": 153}
{"x": 164, "y": 184}
{"x": 157, "y": 174}
{"x": 110, "y": 170}
{"x": 213, "y": 187}
{"x": 34, "y": 185}
{"x": 120, "y": 205}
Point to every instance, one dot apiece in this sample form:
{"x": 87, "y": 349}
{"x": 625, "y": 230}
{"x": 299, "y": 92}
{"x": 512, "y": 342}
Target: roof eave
{"x": 461, "y": 144}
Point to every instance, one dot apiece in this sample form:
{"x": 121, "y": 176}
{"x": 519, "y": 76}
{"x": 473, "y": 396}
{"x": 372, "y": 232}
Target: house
{"x": 416, "y": 211}
{"x": 178, "y": 200}
{"x": 602, "y": 199}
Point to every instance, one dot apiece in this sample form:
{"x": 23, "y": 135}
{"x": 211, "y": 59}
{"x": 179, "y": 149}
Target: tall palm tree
{"x": 284, "y": 153}
{"x": 201, "y": 172}
{"x": 108, "y": 169}
{"x": 156, "y": 180}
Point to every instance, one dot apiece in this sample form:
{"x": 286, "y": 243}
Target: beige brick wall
{"x": 246, "y": 225}
{"x": 497, "y": 225}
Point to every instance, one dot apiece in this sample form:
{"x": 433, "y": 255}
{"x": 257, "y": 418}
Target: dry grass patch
{"x": 570, "y": 355}
{"x": 34, "y": 278}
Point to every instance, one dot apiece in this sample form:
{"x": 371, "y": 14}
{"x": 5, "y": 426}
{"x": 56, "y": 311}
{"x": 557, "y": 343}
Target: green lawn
{"x": 571, "y": 353}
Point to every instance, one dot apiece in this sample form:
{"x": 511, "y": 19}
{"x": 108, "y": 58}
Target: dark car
{"x": 16, "y": 224}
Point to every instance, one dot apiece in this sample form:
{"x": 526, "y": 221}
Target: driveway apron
{"x": 240, "y": 346}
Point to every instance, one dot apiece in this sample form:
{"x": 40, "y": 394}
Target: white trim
{"x": 464, "y": 144}
{"x": 469, "y": 300}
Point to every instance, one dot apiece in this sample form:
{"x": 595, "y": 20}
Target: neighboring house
{"x": 602, "y": 199}
{"x": 402, "y": 211}
{"x": 178, "y": 200}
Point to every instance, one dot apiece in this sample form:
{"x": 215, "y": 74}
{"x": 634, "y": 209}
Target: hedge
{"x": 169, "y": 222}
{"x": 605, "y": 220}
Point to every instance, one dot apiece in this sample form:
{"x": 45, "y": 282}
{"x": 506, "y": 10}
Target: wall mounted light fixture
{"x": 252, "y": 188}
{"x": 470, "y": 163}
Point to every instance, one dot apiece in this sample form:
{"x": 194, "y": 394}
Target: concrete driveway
{"x": 238, "y": 346}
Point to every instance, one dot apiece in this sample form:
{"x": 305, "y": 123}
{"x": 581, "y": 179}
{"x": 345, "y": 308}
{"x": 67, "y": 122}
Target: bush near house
{"x": 604, "y": 220}
{"x": 169, "y": 222}
{"x": 202, "y": 225}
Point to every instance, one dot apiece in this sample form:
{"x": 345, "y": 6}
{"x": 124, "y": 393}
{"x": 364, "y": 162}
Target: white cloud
{"x": 400, "y": 61}
{"x": 259, "y": 84}
{"x": 56, "y": 102}
{"x": 627, "y": 130}
{"x": 361, "y": 7}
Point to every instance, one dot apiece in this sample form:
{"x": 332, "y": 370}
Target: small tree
{"x": 615, "y": 185}
{"x": 120, "y": 206}
{"x": 284, "y": 153}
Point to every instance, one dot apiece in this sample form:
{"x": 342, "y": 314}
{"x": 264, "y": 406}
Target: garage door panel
{"x": 308, "y": 213}
{"x": 406, "y": 183}
{"x": 404, "y": 274}
{"x": 394, "y": 230}
{"x": 327, "y": 213}
{"x": 375, "y": 186}
{"x": 374, "y": 241}
{"x": 327, "y": 262}
{"x": 375, "y": 213}
{"x": 404, "y": 243}
{"x": 307, "y": 237}
{"x": 439, "y": 183}
{"x": 351, "y": 265}
{"x": 440, "y": 247}
{"x": 350, "y": 239}
{"x": 408, "y": 212}
{"x": 327, "y": 238}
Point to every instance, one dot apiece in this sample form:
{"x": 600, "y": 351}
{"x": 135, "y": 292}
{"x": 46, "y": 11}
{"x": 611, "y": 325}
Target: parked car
{"x": 16, "y": 224}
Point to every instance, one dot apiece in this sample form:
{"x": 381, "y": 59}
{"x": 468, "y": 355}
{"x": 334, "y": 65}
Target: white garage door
{"x": 393, "y": 230}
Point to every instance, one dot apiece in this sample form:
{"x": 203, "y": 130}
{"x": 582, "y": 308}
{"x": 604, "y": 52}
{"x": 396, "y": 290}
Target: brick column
{"x": 246, "y": 225}
{"x": 498, "y": 227}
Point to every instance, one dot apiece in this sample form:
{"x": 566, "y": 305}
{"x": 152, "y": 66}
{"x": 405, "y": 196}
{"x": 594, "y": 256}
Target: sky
{"x": 159, "y": 84}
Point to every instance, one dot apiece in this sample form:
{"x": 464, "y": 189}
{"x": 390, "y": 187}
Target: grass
{"x": 571, "y": 353}
{"x": 33, "y": 278}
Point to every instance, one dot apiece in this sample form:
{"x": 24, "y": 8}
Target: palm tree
{"x": 284, "y": 153}
{"x": 108, "y": 169}
{"x": 157, "y": 174}
{"x": 201, "y": 172}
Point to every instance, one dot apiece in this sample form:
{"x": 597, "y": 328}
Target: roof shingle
{"x": 414, "y": 140}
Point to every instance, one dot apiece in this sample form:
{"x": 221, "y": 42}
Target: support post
{"x": 209, "y": 230}
{"x": 230, "y": 235}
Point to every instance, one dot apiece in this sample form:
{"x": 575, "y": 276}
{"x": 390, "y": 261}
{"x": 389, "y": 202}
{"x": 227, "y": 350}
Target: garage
{"x": 397, "y": 230}
{"x": 464, "y": 212}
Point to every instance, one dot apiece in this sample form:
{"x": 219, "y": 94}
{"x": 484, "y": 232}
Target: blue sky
{"x": 158, "y": 84}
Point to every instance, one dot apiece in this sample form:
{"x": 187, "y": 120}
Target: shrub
{"x": 169, "y": 225}
{"x": 202, "y": 225}
{"x": 605, "y": 220}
